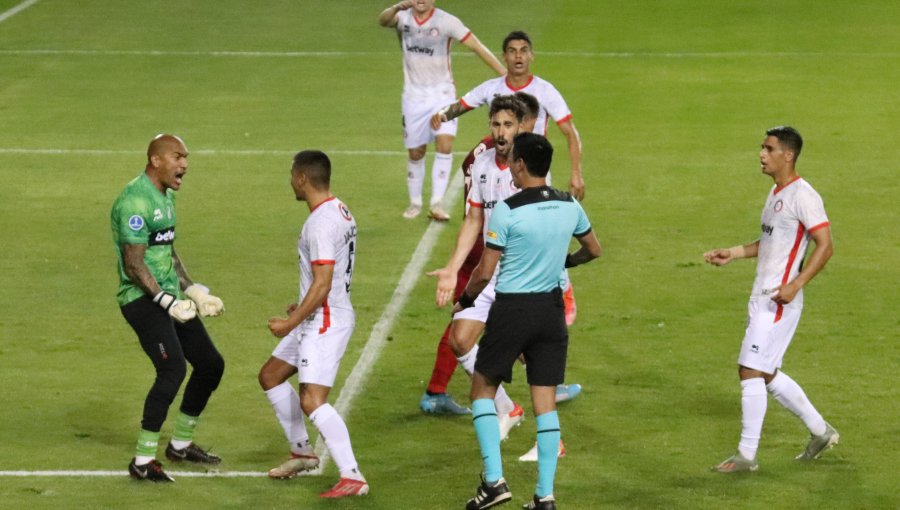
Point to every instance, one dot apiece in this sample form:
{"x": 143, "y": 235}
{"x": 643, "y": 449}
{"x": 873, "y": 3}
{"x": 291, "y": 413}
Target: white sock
{"x": 141, "y": 460}
{"x": 179, "y": 444}
{"x": 753, "y": 411}
{"x": 415, "y": 180}
{"x": 440, "y": 176}
{"x": 337, "y": 438}
{"x": 789, "y": 394}
{"x": 467, "y": 360}
{"x": 502, "y": 402}
{"x": 286, "y": 404}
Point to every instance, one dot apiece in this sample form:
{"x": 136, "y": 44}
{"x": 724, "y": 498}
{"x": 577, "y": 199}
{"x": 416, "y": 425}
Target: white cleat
{"x": 294, "y": 466}
{"x": 509, "y": 420}
{"x": 413, "y": 211}
{"x": 532, "y": 454}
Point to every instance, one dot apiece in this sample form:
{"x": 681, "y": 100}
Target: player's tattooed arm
{"x": 137, "y": 271}
{"x": 184, "y": 281}
{"x": 446, "y": 114}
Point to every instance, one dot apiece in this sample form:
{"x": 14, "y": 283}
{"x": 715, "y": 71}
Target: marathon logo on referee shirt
{"x": 162, "y": 237}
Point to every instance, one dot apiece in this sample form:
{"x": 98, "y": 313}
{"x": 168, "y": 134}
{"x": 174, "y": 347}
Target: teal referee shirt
{"x": 532, "y": 229}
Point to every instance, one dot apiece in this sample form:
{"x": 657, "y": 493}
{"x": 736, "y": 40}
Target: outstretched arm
{"x": 481, "y": 276}
{"x": 388, "y": 17}
{"x": 485, "y": 54}
{"x": 722, "y": 256}
{"x": 449, "y": 113}
{"x": 576, "y": 180}
{"x": 465, "y": 240}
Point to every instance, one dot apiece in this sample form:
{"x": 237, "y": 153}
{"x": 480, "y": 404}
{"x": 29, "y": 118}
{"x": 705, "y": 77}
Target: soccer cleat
{"x": 569, "y": 302}
{"x": 441, "y": 403}
{"x": 545, "y": 503}
{"x": 567, "y": 392}
{"x": 294, "y": 466}
{"x": 151, "y": 472}
{"x": 818, "y": 444}
{"x": 347, "y": 487}
{"x": 532, "y": 455}
{"x": 191, "y": 453}
{"x": 438, "y": 214}
{"x": 413, "y": 211}
{"x": 510, "y": 420}
{"x": 736, "y": 463}
{"x": 487, "y": 496}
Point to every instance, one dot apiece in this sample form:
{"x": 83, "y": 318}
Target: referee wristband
{"x": 465, "y": 301}
{"x": 569, "y": 261}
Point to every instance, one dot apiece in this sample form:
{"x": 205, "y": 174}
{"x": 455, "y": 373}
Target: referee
{"x": 528, "y": 235}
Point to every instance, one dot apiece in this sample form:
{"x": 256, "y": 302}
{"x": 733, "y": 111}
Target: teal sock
{"x": 146, "y": 444}
{"x": 487, "y": 429}
{"x": 184, "y": 427}
{"x": 548, "y": 448}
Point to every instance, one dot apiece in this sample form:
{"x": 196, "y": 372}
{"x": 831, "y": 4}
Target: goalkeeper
{"x": 162, "y": 305}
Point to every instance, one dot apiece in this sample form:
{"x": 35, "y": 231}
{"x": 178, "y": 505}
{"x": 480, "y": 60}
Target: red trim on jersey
{"x": 787, "y": 270}
{"x": 501, "y": 166}
{"x": 466, "y": 36}
{"x": 326, "y": 317}
{"x": 795, "y": 179}
{"x": 476, "y": 204}
{"x": 820, "y": 225}
{"x": 465, "y": 105}
{"x": 514, "y": 89}
{"x": 322, "y": 262}
{"x": 329, "y": 199}
{"x": 424, "y": 20}
{"x": 565, "y": 119}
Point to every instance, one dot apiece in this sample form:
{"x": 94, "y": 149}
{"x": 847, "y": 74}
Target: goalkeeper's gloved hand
{"x": 182, "y": 310}
{"x": 207, "y": 304}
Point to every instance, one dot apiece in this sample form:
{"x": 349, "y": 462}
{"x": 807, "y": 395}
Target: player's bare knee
{"x": 417, "y": 153}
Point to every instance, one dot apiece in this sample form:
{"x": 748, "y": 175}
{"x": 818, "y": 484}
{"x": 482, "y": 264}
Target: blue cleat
{"x": 567, "y": 392}
{"x": 442, "y": 403}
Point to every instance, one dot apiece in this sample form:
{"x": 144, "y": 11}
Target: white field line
{"x": 391, "y": 54}
{"x": 200, "y": 152}
{"x": 357, "y": 378}
{"x": 378, "y": 337}
{"x": 17, "y": 9}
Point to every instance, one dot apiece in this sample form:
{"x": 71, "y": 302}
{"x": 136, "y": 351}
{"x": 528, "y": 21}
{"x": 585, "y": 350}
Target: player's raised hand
{"x": 405, "y": 4}
{"x": 718, "y": 257}
{"x": 279, "y": 327}
{"x": 446, "y": 285}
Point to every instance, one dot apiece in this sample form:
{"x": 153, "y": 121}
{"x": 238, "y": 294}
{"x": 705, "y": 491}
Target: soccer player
{"x": 161, "y": 303}
{"x": 316, "y": 332}
{"x": 426, "y": 34}
{"x": 528, "y": 235}
{"x": 518, "y": 55}
{"x": 793, "y": 214}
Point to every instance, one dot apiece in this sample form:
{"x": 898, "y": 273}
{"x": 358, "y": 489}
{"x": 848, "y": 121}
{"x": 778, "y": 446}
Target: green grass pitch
{"x": 671, "y": 98}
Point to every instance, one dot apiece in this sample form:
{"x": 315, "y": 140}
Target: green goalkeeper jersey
{"x": 143, "y": 215}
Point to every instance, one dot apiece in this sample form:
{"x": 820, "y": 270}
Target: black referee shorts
{"x": 529, "y": 324}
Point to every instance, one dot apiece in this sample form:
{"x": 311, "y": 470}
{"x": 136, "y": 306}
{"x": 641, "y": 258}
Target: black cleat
{"x": 152, "y": 472}
{"x": 489, "y": 495}
{"x": 545, "y": 503}
{"x": 191, "y": 453}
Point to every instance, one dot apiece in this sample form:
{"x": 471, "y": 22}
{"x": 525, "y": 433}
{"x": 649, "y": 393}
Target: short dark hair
{"x": 511, "y": 103}
{"x": 315, "y": 165}
{"x": 532, "y": 105}
{"x": 517, "y": 35}
{"x": 535, "y": 151}
{"x": 789, "y": 138}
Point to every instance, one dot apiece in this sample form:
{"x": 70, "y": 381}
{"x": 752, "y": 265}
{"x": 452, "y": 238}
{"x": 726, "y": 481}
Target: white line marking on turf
{"x": 17, "y": 9}
{"x": 203, "y": 152}
{"x": 357, "y": 378}
{"x": 378, "y": 337}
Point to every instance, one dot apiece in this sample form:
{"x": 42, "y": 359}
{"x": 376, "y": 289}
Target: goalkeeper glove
{"x": 207, "y": 304}
{"x": 181, "y": 310}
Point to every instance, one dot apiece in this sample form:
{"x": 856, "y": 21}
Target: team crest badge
{"x": 136, "y": 222}
{"x": 434, "y": 32}
{"x": 779, "y": 205}
{"x": 545, "y": 193}
{"x": 345, "y": 212}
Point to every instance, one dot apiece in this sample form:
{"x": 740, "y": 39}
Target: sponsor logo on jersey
{"x": 492, "y": 235}
{"x": 420, "y": 49}
{"x": 136, "y": 222}
{"x": 159, "y": 237}
{"x": 345, "y": 212}
{"x": 767, "y": 229}
{"x": 489, "y": 204}
{"x": 483, "y": 179}
{"x": 779, "y": 205}
{"x": 157, "y": 215}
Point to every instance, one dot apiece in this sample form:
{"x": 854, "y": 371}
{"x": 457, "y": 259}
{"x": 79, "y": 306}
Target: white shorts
{"x": 766, "y": 340}
{"x": 417, "y": 113}
{"x": 317, "y": 356}
{"x": 483, "y": 302}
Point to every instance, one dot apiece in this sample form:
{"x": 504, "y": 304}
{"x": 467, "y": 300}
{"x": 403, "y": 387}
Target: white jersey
{"x": 426, "y": 51}
{"x": 551, "y": 101}
{"x": 790, "y": 214}
{"x": 491, "y": 183}
{"x": 329, "y": 237}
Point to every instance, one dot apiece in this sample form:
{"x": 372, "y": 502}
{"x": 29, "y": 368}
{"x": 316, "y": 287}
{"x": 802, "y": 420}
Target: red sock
{"x": 444, "y": 365}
